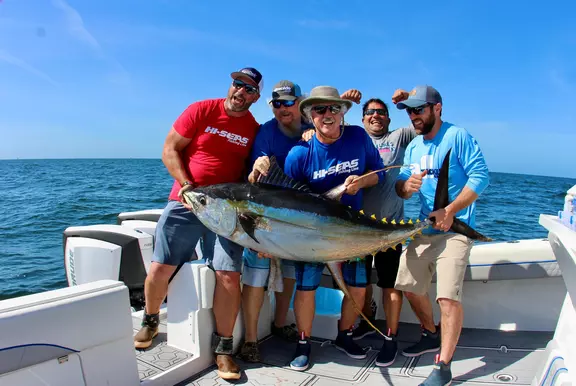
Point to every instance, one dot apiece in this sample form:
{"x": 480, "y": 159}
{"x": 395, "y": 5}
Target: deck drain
{"x": 504, "y": 377}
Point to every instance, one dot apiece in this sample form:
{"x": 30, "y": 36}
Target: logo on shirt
{"x": 426, "y": 163}
{"x": 340, "y": 168}
{"x": 386, "y": 147}
{"x": 231, "y": 137}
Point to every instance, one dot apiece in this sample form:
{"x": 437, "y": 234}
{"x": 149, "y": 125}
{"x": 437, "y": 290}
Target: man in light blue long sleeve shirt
{"x": 439, "y": 250}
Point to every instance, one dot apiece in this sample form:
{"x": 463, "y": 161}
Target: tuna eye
{"x": 202, "y": 200}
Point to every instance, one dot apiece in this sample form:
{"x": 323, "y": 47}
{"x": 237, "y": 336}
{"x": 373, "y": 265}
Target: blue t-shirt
{"x": 271, "y": 141}
{"x": 467, "y": 168}
{"x": 323, "y": 167}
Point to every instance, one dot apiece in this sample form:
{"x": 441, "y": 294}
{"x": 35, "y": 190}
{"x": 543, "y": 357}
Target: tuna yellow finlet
{"x": 373, "y": 217}
{"x": 361, "y": 211}
{"x": 410, "y": 221}
{"x": 384, "y": 220}
{"x": 393, "y": 222}
{"x": 402, "y": 222}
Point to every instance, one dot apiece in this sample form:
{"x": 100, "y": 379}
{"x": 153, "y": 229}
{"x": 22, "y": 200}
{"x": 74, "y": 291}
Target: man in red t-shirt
{"x": 208, "y": 144}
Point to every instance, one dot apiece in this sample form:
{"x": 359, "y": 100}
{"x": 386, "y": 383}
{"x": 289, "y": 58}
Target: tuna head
{"x": 217, "y": 213}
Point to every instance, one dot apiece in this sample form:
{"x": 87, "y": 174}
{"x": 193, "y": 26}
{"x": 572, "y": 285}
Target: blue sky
{"x": 99, "y": 79}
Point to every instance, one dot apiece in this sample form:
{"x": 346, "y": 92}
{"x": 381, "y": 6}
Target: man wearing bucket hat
{"x": 337, "y": 154}
{"x": 275, "y": 138}
{"x": 437, "y": 250}
{"x": 225, "y": 128}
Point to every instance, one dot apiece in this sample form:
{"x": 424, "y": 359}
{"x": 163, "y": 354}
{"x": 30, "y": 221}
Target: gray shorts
{"x": 177, "y": 233}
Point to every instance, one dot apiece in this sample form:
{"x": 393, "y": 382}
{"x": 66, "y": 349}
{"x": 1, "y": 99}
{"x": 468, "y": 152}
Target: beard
{"x": 422, "y": 126}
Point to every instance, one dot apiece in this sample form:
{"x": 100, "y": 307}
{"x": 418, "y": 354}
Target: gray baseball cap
{"x": 419, "y": 96}
{"x": 286, "y": 90}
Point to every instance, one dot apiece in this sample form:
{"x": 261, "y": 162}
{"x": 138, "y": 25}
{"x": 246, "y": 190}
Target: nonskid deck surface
{"x": 486, "y": 357}
{"x": 159, "y": 356}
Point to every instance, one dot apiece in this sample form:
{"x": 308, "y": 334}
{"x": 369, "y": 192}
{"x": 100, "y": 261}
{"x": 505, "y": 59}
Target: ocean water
{"x": 41, "y": 198}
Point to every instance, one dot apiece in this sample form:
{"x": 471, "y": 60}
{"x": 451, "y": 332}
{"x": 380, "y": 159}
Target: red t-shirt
{"x": 220, "y": 143}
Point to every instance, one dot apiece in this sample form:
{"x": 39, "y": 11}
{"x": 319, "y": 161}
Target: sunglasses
{"x": 374, "y": 111}
{"x": 249, "y": 88}
{"x": 278, "y": 103}
{"x": 417, "y": 110}
{"x": 334, "y": 109}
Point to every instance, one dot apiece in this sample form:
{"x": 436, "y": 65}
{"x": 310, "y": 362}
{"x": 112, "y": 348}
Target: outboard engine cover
{"x": 97, "y": 252}
{"x": 144, "y": 215}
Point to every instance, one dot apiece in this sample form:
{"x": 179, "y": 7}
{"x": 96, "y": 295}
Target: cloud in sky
{"x": 11, "y": 59}
{"x": 77, "y": 29}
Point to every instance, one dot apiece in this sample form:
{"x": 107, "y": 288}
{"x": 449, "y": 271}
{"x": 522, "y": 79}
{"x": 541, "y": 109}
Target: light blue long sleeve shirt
{"x": 467, "y": 168}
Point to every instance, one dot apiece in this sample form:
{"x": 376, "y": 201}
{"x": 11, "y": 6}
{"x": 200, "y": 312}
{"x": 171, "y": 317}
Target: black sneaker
{"x": 441, "y": 375}
{"x": 288, "y": 333}
{"x": 345, "y": 344}
{"x": 363, "y": 329}
{"x": 387, "y": 354}
{"x": 429, "y": 342}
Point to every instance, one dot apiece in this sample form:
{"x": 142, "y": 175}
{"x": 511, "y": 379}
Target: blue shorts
{"x": 256, "y": 270}
{"x": 177, "y": 233}
{"x": 308, "y": 275}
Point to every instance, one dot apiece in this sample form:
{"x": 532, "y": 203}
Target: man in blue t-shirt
{"x": 337, "y": 154}
{"x": 275, "y": 138}
{"x": 440, "y": 251}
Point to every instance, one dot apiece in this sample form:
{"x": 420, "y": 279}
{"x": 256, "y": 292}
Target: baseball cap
{"x": 419, "y": 96}
{"x": 286, "y": 90}
{"x": 251, "y": 73}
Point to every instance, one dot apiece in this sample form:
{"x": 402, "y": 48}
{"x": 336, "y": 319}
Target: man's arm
{"x": 171, "y": 157}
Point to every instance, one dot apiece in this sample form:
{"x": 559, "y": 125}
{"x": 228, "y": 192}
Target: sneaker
{"x": 363, "y": 329}
{"x": 387, "y": 354}
{"x": 288, "y": 333}
{"x": 441, "y": 375}
{"x": 345, "y": 343}
{"x": 429, "y": 342}
{"x": 301, "y": 359}
{"x": 250, "y": 352}
{"x": 143, "y": 339}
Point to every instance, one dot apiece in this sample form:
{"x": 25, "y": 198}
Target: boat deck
{"x": 483, "y": 357}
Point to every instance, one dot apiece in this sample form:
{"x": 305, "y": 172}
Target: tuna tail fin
{"x": 441, "y": 200}
{"x": 277, "y": 177}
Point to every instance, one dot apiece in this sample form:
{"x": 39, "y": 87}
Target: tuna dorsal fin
{"x": 335, "y": 193}
{"x": 277, "y": 177}
{"x": 441, "y": 199}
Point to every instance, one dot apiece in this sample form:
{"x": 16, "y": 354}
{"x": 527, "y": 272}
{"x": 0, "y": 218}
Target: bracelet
{"x": 186, "y": 183}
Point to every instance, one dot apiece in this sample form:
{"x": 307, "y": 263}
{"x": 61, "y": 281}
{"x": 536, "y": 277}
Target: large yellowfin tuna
{"x": 283, "y": 218}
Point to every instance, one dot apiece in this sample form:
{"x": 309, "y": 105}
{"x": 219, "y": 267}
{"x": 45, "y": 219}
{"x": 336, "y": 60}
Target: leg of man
{"x": 308, "y": 277}
{"x": 364, "y": 329}
{"x": 387, "y": 264}
{"x": 453, "y": 251}
{"x": 226, "y": 260}
{"x": 355, "y": 278}
{"x": 177, "y": 233}
{"x": 279, "y": 327}
{"x": 254, "y": 279}
{"x": 417, "y": 265}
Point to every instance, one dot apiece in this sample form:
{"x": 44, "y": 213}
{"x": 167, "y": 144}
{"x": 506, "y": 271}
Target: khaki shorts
{"x": 446, "y": 254}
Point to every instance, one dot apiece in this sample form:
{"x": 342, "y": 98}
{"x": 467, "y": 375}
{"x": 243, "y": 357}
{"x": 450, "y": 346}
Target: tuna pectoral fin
{"x": 248, "y": 222}
{"x": 336, "y": 272}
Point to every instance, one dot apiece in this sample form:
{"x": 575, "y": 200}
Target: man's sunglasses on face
{"x": 376, "y": 111}
{"x": 334, "y": 109}
{"x": 249, "y": 88}
{"x": 278, "y": 103}
{"x": 417, "y": 110}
